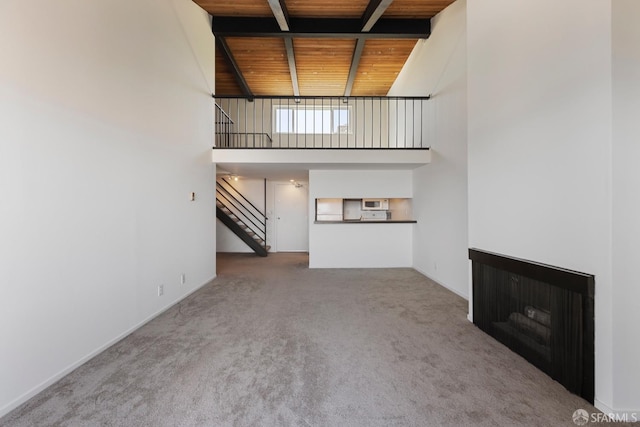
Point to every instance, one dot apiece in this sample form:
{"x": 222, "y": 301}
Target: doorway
{"x": 291, "y": 208}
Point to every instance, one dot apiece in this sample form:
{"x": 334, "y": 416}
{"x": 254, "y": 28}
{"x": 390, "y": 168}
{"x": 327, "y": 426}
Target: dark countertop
{"x": 359, "y": 221}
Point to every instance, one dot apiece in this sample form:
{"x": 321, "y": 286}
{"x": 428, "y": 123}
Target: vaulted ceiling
{"x": 315, "y": 47}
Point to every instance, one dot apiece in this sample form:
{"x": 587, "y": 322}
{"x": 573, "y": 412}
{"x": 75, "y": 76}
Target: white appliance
{"x": 328, "y": 209}
{"x": 375, "y": 204}
{"x": 372, "y": 215}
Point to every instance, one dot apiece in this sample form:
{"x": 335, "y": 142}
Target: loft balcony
{"x": 323, "y": 132}
{"x": 322, "y": 122}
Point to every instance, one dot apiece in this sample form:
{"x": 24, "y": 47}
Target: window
{"x": 312, "y": 119}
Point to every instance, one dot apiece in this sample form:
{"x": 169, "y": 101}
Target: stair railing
{"x": 254, "y": 219}
{"x": 224, "y": 127}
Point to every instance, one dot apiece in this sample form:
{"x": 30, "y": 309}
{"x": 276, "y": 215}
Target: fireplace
{"x": 542, "y": 312}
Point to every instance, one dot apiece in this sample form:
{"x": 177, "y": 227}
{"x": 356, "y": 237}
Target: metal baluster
{"x": 413, "y": 126}
{"x": 380, "y": 120}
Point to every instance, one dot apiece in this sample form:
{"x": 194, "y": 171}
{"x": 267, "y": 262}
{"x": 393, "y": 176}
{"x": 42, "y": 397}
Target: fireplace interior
{"x": 542, "y": 312}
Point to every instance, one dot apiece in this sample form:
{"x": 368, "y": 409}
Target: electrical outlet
{"x": 160, "y": 290}
{"x": 183, "y": 279}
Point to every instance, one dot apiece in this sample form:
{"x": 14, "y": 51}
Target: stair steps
{"x": 242, "y": 230}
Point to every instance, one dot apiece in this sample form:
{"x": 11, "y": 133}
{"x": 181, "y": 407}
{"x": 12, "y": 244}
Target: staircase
{"x": 242, "y": 217}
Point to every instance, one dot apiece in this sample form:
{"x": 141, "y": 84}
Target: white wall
{"x": 437, "y": 66}
{"x": 626, "y": 203}
{"x": 106, "y": 130}
{"x": 540, "y": 164}
{"x": 359, "y": 245}
{"x": 358, "y": 184}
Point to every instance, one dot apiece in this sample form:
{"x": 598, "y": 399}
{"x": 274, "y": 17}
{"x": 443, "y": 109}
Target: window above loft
{"x": 312, "y": 119}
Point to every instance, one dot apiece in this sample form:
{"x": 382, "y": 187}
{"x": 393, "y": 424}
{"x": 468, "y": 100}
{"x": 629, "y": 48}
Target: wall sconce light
{"x": 232, "y": 177}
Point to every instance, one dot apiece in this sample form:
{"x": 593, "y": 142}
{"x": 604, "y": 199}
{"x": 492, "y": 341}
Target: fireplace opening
{"x": 542, "y": 312}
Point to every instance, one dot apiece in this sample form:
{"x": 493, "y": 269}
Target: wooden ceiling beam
{"x": 226, "y": 26}
{"x": 237, "y": 74}
{"x": 288, "y": 44}
{"x": 373, "y": 13}
{"x": 279, "y": 9}
{"x": 353, "y": 70}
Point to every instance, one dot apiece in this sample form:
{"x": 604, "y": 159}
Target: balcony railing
{"x": 323, "y": 122}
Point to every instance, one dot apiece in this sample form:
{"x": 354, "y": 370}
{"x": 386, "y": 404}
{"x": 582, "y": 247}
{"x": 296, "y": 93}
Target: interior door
{"x": 292, "y": 216}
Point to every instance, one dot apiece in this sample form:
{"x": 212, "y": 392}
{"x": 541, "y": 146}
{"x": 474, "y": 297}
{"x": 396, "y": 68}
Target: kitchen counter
{"x": 366, "y": 221}
{"x": 337, "y": 243}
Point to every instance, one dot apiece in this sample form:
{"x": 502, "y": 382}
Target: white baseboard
{"x": 441, "y": 284}
{"x": 601, "y": 406}
{"x": 446, "y": 287}
{"x": 57, "y": 377}
{"x": 619, "y": 415}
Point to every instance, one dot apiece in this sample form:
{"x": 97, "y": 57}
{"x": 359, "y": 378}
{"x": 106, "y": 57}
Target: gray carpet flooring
{"x": 270, "y": 342}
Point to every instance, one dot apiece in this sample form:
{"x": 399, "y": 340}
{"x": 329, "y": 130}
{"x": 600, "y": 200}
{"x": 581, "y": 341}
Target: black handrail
{"x": 228, "y": 138}
{"x": 240, "y": 194}
{"x": 244, "y": 216}
{"x": 230, "y": 120}
{"x": 249, "y": 133}
{"x": 243, "y": 210}
{"x": 235, "y": 202}
{"x": 223, "y": 124}
{"x": 345, "y": 98}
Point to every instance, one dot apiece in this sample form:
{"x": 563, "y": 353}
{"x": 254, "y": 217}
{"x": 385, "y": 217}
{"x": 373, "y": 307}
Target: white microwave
{"x": 375, "y": 204}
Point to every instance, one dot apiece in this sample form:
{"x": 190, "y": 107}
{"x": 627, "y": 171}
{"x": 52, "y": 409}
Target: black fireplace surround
{"x": 542, "y": 312}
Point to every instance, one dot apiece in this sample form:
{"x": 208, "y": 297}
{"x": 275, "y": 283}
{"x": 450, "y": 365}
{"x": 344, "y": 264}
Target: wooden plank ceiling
{"x": 315, "y": 47}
